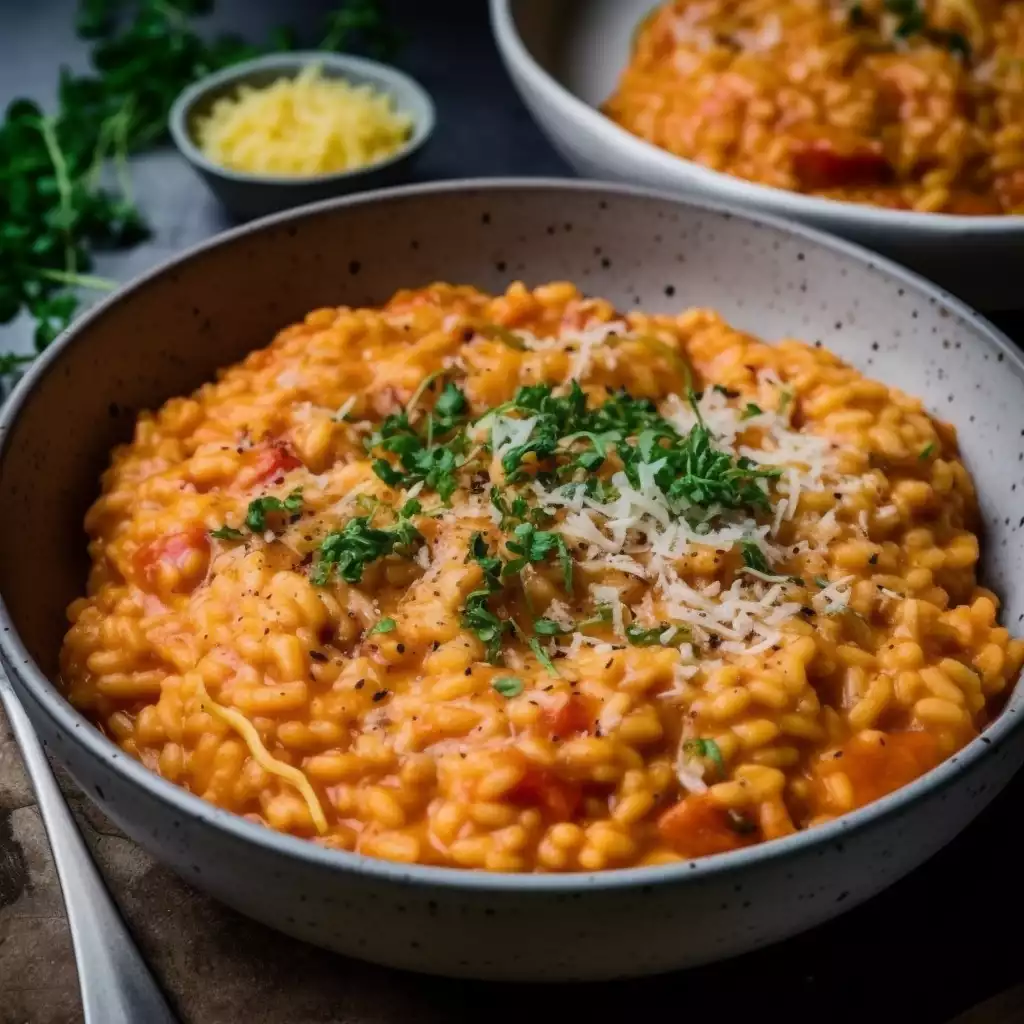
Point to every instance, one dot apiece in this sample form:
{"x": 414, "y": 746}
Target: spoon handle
{"x": 117, "y": 987}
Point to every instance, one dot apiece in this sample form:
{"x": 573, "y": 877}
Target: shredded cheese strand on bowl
{"x": 237, "y": 721}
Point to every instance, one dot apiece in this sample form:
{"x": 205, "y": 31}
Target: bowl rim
{"x": 779, "y": 202}
{"x": 64, "y": 718}
{"x": 423, "y": 123}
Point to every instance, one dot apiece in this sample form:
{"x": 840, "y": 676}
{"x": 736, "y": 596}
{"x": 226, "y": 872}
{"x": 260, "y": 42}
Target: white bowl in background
{"x": 565, "y": 56}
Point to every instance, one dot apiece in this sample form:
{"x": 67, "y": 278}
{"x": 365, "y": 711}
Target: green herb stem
{"x": 99, "y": 284}
{"x": 63, "y": 180}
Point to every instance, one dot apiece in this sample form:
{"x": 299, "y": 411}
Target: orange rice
{"x": 660, "y": 679}
{"x": 908, "y": 104}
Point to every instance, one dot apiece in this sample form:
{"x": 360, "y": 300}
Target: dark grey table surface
{"x": 935, "y": 944}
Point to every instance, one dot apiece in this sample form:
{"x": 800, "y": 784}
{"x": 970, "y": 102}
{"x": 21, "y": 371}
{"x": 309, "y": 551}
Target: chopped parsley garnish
{"x": 349, "y": 550}
{"x": 450, "y": 408}
{"x": 508, "y": 686}
{"x": 602, "y": 614}
{"x": 638, "y": 636}
{"x": 910, "y": 17}
{"x": 751, "y": 410}
{"x": 227, "y": 533}
{"x": 821, "y": 581}
{"x": 911, "y": 20}
{"x": 510, "y": 511}
{"x": 532, "y": 545}
{"x": 545, "y": 438}
{"x": 432, "y": 456}
{"x": 256, "y": 517}
{"x": 926, "y": 451}
{"x": 691, "y": 472}
{"x": 383, "y": 626}
{"x": 753, "y": 557}
{"x": 542, "y": 656}
{"x": 548, "y": 627}
{"x": 477, "y": 616}
{"x": 708, "y": 749}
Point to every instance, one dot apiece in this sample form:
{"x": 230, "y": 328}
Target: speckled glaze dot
{"x": 168, "y": 333}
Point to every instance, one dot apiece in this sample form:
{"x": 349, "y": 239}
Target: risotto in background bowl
{"x": 896, "y": 125}
{"x": 517, "y": 618}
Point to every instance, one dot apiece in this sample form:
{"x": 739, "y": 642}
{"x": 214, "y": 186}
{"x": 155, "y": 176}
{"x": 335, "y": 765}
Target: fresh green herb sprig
{"x": 707, "y": 749}
{"x": 692, "y": 472}
{"x": 350, "y": 550}
{"x": 561, "y": 421}
{"x": 753, "y": 557}
{"x": 491, "y": 629}
{"x": 477, "y": 615}
{"x": 511, "y": 510}
{"x": 507, "y": 686}
{"x": 256, "y": 516}
{"x": 65, "y": 188}
{"x": 227, "y": 533}
{"x": 431, "y": 455}
{"x": 531, "y": 545}
{"x": 911, "y": 20}
{"x": 640, "y": 636}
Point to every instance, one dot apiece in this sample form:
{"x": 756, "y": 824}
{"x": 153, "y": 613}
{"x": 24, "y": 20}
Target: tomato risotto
{"x": 910, "y": 104}
{"x": 523, "y": 583}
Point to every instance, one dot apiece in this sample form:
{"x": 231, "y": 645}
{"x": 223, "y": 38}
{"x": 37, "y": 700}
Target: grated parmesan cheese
{"x": 302, "y": 127}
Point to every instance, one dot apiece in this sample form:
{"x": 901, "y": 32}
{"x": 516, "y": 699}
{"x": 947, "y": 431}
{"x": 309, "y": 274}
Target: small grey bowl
{"x": 247, "y": 195}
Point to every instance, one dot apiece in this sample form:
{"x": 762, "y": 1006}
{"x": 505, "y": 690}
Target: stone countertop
{"x": 929, "y": 948}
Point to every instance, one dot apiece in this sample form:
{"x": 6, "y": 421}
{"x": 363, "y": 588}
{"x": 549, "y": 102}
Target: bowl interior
{"x": 585, "y": 45}
{"x": 197, "y": 102}
{"x": 168, "y": 333}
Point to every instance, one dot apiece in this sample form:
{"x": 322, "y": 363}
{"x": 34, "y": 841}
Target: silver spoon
{"x": 117, "y": 987}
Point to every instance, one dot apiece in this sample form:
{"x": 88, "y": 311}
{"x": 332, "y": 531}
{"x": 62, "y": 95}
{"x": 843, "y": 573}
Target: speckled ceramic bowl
{"x": 247, "y": 195}
{"x": 170, "y": 330}
{"x": 565, "y": 57}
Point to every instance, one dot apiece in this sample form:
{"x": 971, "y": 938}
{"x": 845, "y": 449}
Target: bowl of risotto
{"x": 524, "y": 579}
{"x": 895, "y": 124}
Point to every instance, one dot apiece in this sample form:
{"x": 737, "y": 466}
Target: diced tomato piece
{"x": 570, "y": 717}
{"x": 698, "y": 827}
{"x": 267, "y": 462}
{"x": 876, "y": 768}
{"x": 827, "y": 162}
{"x": 558, "y": 798}
{"x": 179, "y": 557}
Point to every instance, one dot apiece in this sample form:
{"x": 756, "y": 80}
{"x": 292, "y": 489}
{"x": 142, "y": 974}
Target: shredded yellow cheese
{"x": 303, "y": 126}
{"x": 237, "y": 721}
